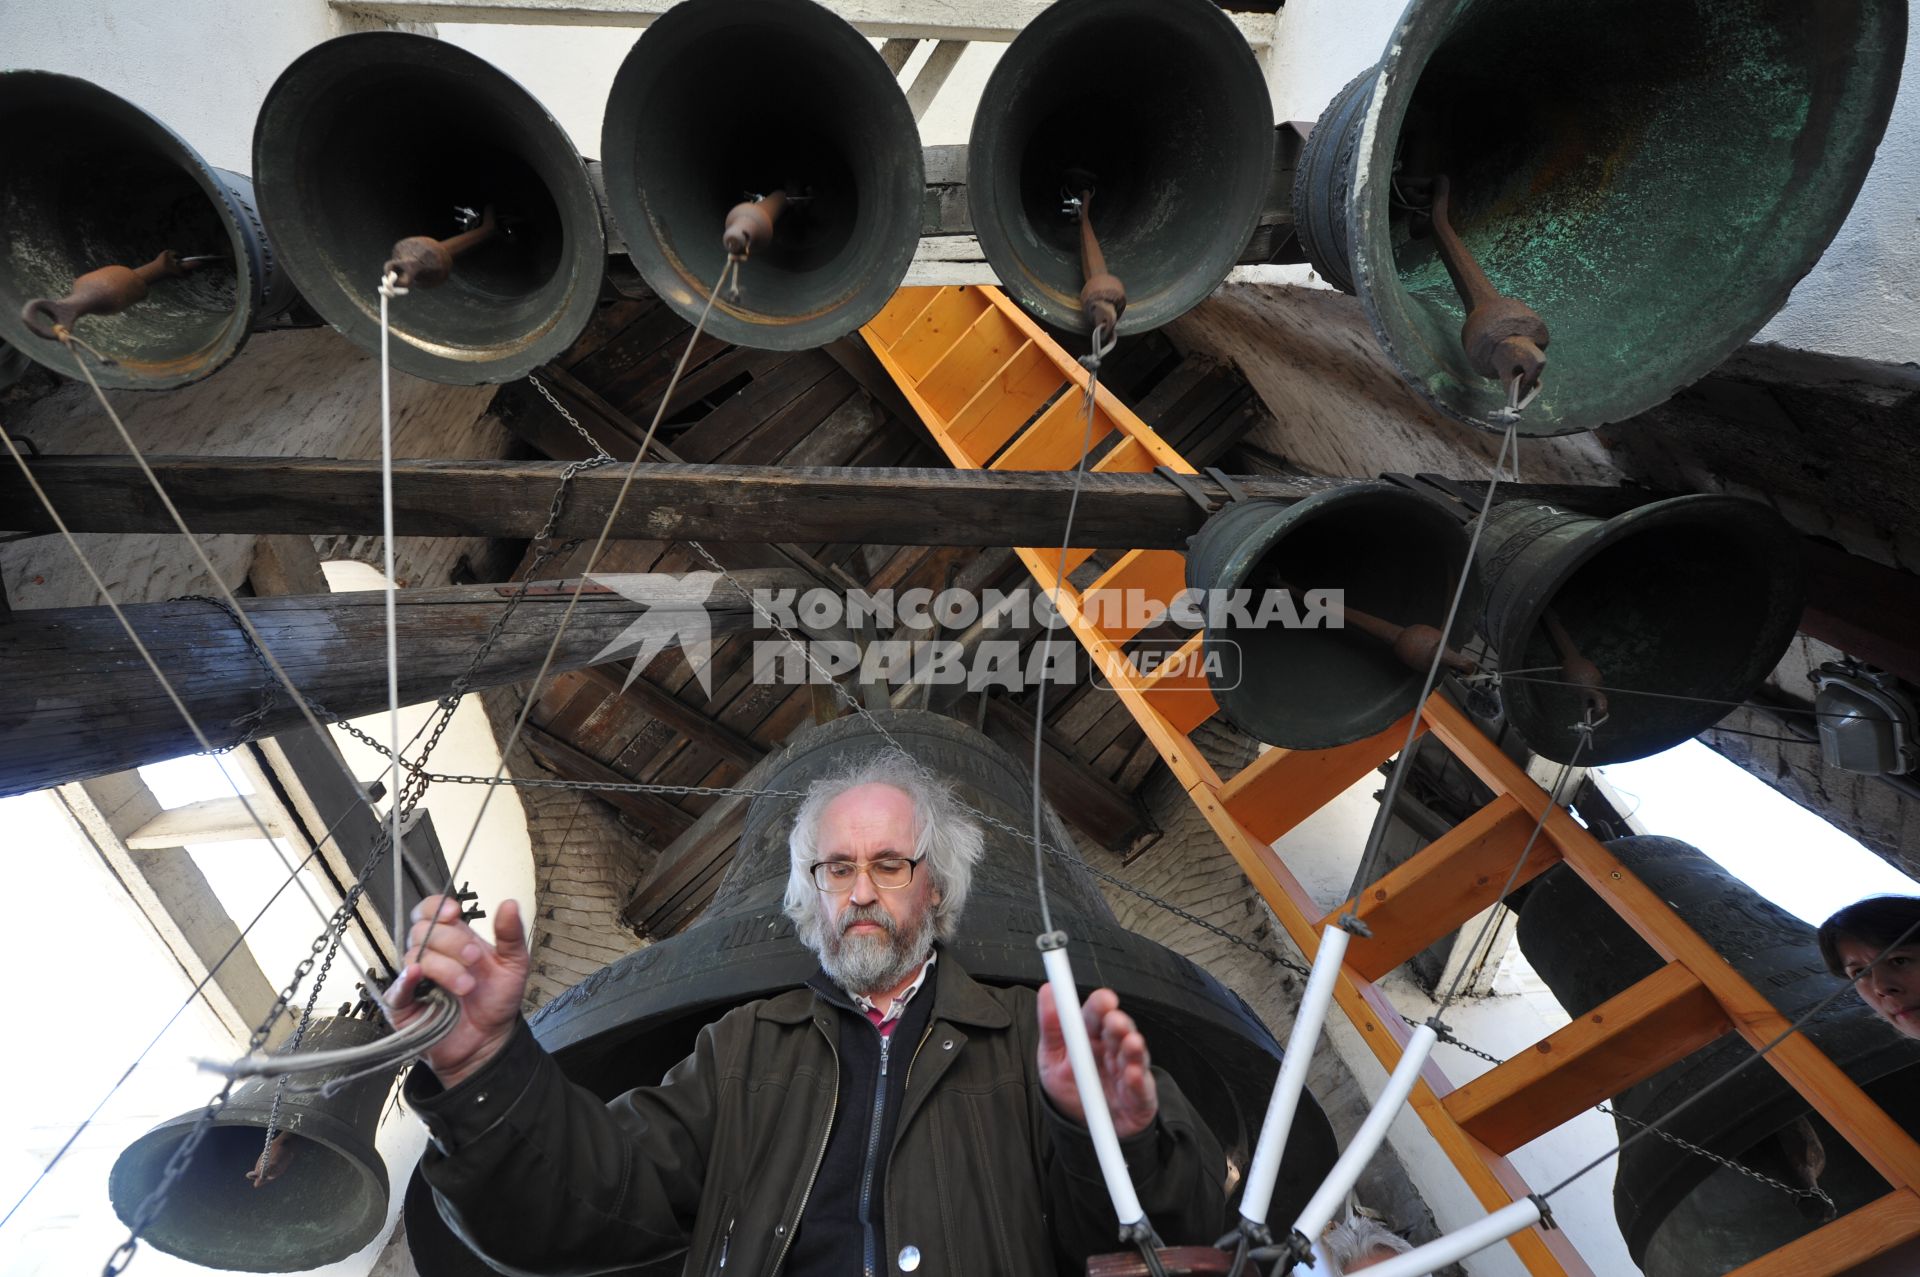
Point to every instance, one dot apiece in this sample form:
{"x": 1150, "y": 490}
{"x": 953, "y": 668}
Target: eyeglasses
{"x": 836, "y": 877}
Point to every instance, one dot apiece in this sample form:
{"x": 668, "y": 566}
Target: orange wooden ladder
{"x": 996, "y": 392}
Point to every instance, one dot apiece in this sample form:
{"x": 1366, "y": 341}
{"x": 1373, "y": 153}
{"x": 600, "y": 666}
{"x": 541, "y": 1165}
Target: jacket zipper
{"x": 833, "y": 1111}
{"x": 726, "y": 1240}
{"x": 868, "y": 1260}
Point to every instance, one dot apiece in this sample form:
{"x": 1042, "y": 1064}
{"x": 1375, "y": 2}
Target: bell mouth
{"x": 1393, "y": 554}
{"x": 326, "y": 1202}
{"x": 811, "y": 111}
{"x": 1163, "y": 105}
{"x": 1720, "y": 584}
{"x": 1651, "y": 176}
{"x": 94, "y": 181}
{"x": 376, "y": 137}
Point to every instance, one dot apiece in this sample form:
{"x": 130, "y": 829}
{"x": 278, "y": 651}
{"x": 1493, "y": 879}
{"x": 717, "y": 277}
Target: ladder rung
{"x": 1178, "y": 690}
{"x": 1873, "y": 1229}
{"x": 1006, "y": 402}
{"x": 1444, "y": 885}
{"x": 1129, "y": 456}
{"x": 1058, "y": 438}
{"x": 898, "y": 315}
{"x": 1283, "y": 787}
{"x": 1626, "y": 1039}
{"x": 1134, "y": 592}
{"x": 935, "y": 330}
{"x": 981, "y": 352}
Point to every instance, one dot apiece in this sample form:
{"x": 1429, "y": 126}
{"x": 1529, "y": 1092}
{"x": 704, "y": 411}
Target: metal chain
{"x": 1448, "y": 1036}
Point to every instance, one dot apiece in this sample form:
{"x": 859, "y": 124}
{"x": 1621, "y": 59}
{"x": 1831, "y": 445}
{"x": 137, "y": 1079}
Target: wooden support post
{"x": 1626, "y": 1039}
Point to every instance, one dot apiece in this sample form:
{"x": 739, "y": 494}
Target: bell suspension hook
{"x": 1505, "y": 340}
{"x": 420, "y": 261}
{"x": 106, "y": 291}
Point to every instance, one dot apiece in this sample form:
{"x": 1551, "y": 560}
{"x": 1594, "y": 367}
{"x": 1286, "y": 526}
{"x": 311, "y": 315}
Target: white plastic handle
{"x": 1093, "y": 1097}
{"x": 1462, "y": 1242}
{"x": 1346, "y": 1172}
{"x": 1265, "y": 1168}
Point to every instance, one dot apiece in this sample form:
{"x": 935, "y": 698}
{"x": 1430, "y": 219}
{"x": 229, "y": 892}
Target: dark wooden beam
{"x": 1084, "y": 798}
{"x": 1867, "y": 610}
{"x": 653, "y": 699}
{"x": 79, "y": 701}
{"x": 682, "y": 880}
{"x": 760, "y": 504}
{"x": 569, "y": 763}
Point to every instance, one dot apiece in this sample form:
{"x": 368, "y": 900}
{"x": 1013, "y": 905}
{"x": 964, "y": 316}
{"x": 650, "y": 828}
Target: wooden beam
{"x": 1444, "y": 885}
{"x": 763, "y": 504}
{"x": 1084, "y": 798}
{"x": 1282, "y": 787}
{"x": 1864, "y": 609}
{"x": 208, "y": 820}
{"x": 1846, "y": 1243}
{"x": 1626, "y": 1039}
{"x": 995, "y": 21}
{"x": 570, "y": 764}
{"x": 681, "y": 880}
{"x": 651, "y": 698}
{"x": 79, "y": 701}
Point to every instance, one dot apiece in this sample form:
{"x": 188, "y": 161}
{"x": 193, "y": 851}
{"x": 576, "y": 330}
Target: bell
{"x": 1305, "y": 681}
{"x": 1648, "y": 178}
{"x": 779, "y": 104}
{"x": 322, "y": 1190}
{"x": 114, "y": 228}
{"x": 374, "y": 145}
{"x": 626, "y": 1024}
{"x": 1160, "y": 109}
{"x": 1682, "y": 1215}
{"x": 1653, "y": 624}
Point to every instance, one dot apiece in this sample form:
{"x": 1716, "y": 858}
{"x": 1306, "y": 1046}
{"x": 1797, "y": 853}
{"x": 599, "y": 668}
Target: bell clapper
{"x": 1504, "y": 339}
{"x": 106, "y": 291}
{"x": 749, "y": 226}
{"x": 273, "y": 1161}
{"x": 1103, "y": 298}
{"x": 1413, "y": 645}
{"x": 1579, "y": 671}
{"x": 420, "y": 261}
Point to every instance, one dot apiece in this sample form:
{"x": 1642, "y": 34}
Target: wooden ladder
{"x": 996, "y": 392}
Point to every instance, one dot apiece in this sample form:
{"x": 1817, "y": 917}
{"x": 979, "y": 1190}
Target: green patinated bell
{"x": 1650, "y": 177}
{"x": 92, "y": 182}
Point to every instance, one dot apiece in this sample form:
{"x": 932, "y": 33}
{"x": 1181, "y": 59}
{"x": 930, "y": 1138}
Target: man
{"x": 891, "y": 1117}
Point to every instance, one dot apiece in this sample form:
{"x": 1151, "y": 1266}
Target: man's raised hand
{"x": 490, "y": 980}
{"x": 1119, "y": 1051}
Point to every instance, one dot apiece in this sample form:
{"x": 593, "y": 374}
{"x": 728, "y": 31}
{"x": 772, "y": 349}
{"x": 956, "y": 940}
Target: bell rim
{"x": 1061, "y": 310}
{"x": 663, "y": 271}
{"x": 239, "y": 326}
{"x": 1704, "y": 509}
{"x": 358, "y": 319}
{"x": 1416, "y": 38}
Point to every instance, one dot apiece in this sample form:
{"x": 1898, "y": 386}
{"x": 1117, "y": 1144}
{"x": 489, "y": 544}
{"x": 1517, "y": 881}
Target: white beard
{"x": 867, "y": 964}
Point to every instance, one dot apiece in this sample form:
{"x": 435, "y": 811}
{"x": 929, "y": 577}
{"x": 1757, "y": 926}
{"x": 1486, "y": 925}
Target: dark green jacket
{"x": 985, "y": 1178}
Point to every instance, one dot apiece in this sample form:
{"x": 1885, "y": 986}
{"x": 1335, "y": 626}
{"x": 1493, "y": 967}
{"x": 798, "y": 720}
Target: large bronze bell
{"x": 1396, "y": 557}
{"x": 726, "y": 101}
{"x": 383, "y": 136}
{"x": 1679, "y": 607}
{"x": 628, "y": 1023}
{"x": 1682, "y": 1215}
{"x": 1650, "y": 176}
{"x": 324, "y": 1191}
{"x": 1160, "y": 106}
{"x": 96, "y": 187}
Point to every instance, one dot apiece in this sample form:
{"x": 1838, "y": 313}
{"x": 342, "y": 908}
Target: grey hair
{"x": 1355, "y": 1239}
{"x": 946, "y": 835}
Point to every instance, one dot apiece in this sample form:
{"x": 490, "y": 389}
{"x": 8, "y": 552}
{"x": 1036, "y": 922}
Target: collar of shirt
{"x": 899, "y": 1006}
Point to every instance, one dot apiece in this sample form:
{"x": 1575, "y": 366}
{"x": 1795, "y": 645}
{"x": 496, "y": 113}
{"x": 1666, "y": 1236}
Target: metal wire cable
{"x": 1376, "y": 832}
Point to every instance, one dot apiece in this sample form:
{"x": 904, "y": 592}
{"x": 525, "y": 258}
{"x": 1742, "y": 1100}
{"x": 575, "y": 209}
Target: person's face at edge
{"x": 1892, "y": 989}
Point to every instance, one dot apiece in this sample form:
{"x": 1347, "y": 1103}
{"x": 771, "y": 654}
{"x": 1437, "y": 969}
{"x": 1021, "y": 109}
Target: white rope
{"x": 389, "y": 289}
